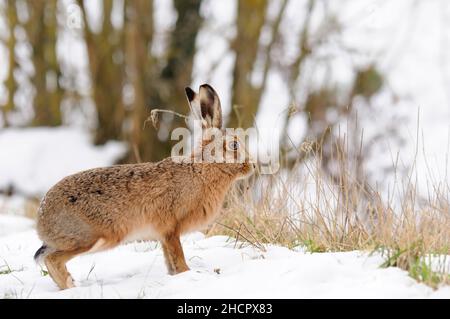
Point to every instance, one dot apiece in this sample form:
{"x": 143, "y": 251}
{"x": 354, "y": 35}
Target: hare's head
{"x": 224, "y": 147}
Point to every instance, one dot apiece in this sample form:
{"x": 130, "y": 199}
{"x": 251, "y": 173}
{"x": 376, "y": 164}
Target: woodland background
{"x": 131, "y": 68}
{"x": 367, "y": 80}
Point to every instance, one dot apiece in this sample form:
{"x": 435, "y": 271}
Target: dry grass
{"x": 307, "y": 208}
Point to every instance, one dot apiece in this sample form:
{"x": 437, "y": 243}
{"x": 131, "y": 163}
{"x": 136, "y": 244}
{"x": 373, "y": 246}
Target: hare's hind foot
{"x": 56, "y": 266}
{"x": 56, "y": 261}
{"x": 174, "y": 256}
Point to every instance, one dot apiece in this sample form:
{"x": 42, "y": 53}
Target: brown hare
{"x": 101, "y": 208}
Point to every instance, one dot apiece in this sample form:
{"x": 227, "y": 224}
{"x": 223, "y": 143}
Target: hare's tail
{"x": 41, "y": 253}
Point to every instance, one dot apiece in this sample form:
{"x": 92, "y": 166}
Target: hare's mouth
{"x": 247, "y": 171}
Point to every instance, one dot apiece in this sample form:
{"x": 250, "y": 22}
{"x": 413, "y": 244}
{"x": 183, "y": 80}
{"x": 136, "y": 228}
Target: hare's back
{"x": 110, "y": 186}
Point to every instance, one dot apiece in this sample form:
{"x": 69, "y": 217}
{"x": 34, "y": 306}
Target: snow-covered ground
{"x": 219, "y": 269}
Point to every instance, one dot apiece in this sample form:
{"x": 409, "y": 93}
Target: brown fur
{"x": 99, "y": 209}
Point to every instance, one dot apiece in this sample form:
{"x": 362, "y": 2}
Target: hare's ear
{"x": 205, "y": 106}
{"x": 194, "y": 104}
{"x": 210, "y": 106}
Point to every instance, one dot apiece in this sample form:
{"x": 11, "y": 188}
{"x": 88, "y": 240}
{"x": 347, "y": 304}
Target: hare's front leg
{"x": 173, "y": 253}
{"x": 169, "y": 266}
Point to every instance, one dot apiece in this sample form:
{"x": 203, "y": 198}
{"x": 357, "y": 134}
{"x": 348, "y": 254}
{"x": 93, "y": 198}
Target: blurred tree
{"x": 368, "y": 82}
{"x": 42, "y": 29}
{"x": 128, "y": 80}
{"x": 123, "y": 57}
{"x": 10, "y": 83}
{"x": 295, "y": 71}
{"x": 159, "y": 84}
{"x": 325, "y": 107}
{"x": 107, "y": 67}
{"x": 141, "y": 72}
{"x": 251, "y": 17}
{"x": 177, "y": 72}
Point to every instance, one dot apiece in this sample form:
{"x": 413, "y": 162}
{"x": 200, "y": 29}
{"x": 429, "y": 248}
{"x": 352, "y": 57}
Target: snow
{"x": 13, "y": 224}
{"x": 33, "y": 160}
{"x": 219, "y": 269}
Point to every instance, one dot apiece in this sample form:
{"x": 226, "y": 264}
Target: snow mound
{"x": 33, "y": 160}
{"x": 218, "y": 270}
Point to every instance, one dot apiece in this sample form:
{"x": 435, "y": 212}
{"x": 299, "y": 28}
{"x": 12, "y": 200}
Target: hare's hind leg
{"x": 56, "y": 266}
{"x": 173, "y": 253}
{"x": 57, "y": 260}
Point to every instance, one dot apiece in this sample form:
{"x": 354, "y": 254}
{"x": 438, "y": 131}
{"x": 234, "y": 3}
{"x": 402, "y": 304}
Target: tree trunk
{"x": 10, "y": 83}
{"x": 105, "y": 52}
{"x": 177, "y": 74}
{"x": 139, "y": 35}
{"x": 42, "y": 29}
{"x": 160, "y": 88}
{"x": 153, "y": 86}
{"x": 246, "y": 97}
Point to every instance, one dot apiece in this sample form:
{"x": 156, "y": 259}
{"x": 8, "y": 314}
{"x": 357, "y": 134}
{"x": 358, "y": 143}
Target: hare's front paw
{"x": 181, "y": 269}
{"x": 177, "y": 270}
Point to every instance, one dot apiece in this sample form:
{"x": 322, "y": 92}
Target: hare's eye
{"x": 233, "y": 146}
